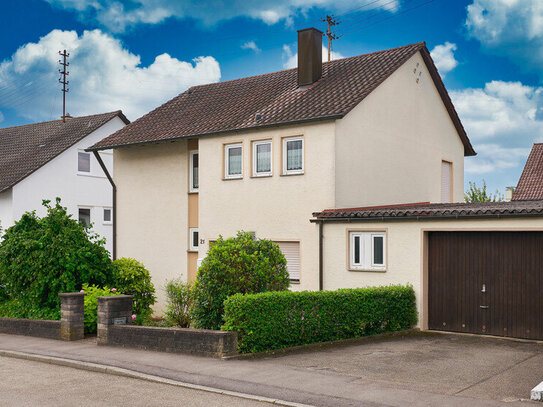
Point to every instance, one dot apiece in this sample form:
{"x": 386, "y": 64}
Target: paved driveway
{"x": 481, "y": 367}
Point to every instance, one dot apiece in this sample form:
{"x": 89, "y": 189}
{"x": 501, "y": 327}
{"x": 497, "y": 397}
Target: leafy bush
{"x": 276, "y": 320}
{"x": 132, "y": 278}
{"x": 42, "y": 257}
{"x": 240, "y": 264}
{"x": 16, "y": 308}
{"x": 91, "y": 304}
{"x": 180, "y": 302}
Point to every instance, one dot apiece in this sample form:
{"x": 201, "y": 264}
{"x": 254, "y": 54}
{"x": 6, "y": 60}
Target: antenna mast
{"x": 63, "y": 73}
{"x": 331, "y": 21}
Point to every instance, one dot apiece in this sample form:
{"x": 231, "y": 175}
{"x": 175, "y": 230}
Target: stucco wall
{"x": 59, "y": 178}
{"x": 277, "y": 207}
{"x": 152, "y": 209}
{"x": 405, "y": 255}
{"x": 6, "y": 210}
{"x": 389, "y": 148}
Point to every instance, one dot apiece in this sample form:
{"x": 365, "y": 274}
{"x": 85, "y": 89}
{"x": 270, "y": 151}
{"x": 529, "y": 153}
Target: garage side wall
{"x": 406, "y": 245}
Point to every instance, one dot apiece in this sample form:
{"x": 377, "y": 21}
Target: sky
{"x": 136, "y": 54}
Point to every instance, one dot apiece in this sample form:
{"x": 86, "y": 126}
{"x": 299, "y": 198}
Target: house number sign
{"x": 119, "y": 321}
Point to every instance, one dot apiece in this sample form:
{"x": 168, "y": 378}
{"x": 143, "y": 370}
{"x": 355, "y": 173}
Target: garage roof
{"x": 428, "y": 211}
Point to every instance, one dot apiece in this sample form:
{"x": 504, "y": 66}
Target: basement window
{"x": 367, "y": 251}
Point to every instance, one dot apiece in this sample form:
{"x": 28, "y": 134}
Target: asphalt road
{"x": 27, "y": 383}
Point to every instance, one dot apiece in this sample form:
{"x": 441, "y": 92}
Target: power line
{"x": 358, "y": 8}
{"x": 331, "y": 21}
{"x": 388, "y": 18}
{"x": 380, "y": 11}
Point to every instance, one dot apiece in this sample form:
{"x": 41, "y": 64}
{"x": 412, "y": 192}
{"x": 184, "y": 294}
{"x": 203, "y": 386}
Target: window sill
{"x": 262, "y": 176}
{"x": 232, "y": 179}
{"x": 107, "y": 223}
{"x": 192, "y": 251}
{"x": 84, "y": 174}
{"x": 292, "y": 175}
{"x": 193, "y": 192}
{"x": 294, "y": 281}
{"x": 368, "y": 270}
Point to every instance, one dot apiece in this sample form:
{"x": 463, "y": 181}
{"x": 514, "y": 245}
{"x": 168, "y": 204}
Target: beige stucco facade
{"x": 389, "y": 148}
{"x": 406, "y": 256}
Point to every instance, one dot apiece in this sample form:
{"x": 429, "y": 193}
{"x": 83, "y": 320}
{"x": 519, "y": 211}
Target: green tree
{"x": 42, "y": 257}
{"x": 479, "y": 194}
{"x": 240, "y": 264}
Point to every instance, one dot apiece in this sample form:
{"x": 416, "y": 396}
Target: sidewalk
{"x": 274, "y": 378}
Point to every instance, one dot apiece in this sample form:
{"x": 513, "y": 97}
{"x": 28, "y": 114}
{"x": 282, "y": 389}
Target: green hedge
{"x": 275, "y": 320}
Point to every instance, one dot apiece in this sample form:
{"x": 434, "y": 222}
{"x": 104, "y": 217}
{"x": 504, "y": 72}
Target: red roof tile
{"x": 530, "y": 184}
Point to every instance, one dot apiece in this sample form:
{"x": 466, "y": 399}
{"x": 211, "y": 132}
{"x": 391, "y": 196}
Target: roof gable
{"x": 530, "y": 184}
{"x": 275, "y": 97}
{"x": 25, "y": 149}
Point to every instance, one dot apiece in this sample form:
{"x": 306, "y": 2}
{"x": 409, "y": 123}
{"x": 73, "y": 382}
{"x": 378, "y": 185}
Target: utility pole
{"x": 63, "y": 73}
{"x": 331, "y": 21}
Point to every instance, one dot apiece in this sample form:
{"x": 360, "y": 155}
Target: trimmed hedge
{"x": 275, "y": 320}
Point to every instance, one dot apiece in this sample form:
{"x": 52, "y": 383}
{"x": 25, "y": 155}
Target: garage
{"x": 486, "y": 282}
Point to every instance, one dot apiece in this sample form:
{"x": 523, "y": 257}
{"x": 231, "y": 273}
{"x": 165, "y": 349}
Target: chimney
{"x": 309, "y": 56}
{"x": 509, "y": 191}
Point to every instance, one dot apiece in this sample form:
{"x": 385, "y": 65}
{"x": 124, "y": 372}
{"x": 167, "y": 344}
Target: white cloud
{"x": 118, "y": 15}
{"x": 502, "y": 119}
{"x": 443, "y": 56}
{"x": 251, "y": 45}
{"x": 290, "y": 58}
{"x": 104, "y": 76}
{"x": 513, "y": 28}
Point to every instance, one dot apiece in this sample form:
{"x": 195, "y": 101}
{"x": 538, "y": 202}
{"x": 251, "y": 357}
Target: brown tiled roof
{"x": 530, "y": 184}
{"x": 24, "y": 149}
{"x": 425, "y": 211}
{"x": 233, "y": 105}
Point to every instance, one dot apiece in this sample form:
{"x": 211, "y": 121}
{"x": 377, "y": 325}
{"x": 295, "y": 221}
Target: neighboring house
{"x": 48, "y": 160}
{"x": 530, "y": 184}
{"x": 262, "y": 153}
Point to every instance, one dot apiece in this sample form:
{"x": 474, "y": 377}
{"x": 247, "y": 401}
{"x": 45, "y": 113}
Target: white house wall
{"x": 60, "y": 178}
{"x": 389, "y": 148}
{"x": 6, "y": 209}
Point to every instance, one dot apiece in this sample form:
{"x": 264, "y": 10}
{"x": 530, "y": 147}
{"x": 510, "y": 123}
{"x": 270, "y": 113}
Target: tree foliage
{"x": 180, "y": 302}
{"x": 480, "y": 194}
{"x": 240, "y": 264}
{"x": 42, "y": 257}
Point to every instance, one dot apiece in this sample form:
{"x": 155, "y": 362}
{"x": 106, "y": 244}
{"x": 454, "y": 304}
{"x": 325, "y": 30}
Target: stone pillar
{"x": 113, "y": 310}
{"x": 72, "y": 311}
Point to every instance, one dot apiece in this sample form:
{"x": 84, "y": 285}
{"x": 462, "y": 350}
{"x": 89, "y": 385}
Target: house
{"x": 48, "y": 160}
{"x": 530, "y": 184}
{"x": 263, "y": 153}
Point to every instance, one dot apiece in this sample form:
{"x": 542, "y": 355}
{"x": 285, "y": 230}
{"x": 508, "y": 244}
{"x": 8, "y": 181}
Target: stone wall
{"x": 30, "y": 327}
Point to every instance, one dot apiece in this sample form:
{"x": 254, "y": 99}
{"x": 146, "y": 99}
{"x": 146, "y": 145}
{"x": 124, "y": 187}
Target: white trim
{"x": 367, "y": 251}
{"x": 255, "y": 159}
{"x": 110, "y": 221}
{"x": 191, "y": 172}
{"x": 227, "y": 148}
{"x": 192, "y": 248}
{"x": 285, "y": 141}
{"x": 79, "y": 172}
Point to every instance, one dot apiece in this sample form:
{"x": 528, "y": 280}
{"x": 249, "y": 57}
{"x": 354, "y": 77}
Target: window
{"x": 83, "y": 162}
{"x": 193, "y": 171}
{"x": 85, "y": 216}
{"x": 107, "y": 215}
{"x": 367, "y": 251}
{"x": 291, "y": 250}
{"x": 233, "y": 160}
{"x": 262, "y": 158}
{"x": 446, "y": 181}
{"x": 193, "y": 239}
{"x": 293, "y": 155}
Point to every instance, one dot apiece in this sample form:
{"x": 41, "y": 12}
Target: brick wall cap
{"x": 76, "y": 294}
{"x": 115, "y": 297}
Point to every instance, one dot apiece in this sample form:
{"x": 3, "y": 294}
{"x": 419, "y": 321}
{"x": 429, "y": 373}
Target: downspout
{"x": 104, "y": 168}
{"x": 321, "y": 265}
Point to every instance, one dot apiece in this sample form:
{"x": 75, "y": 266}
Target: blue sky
{"x": 134, "y": 55}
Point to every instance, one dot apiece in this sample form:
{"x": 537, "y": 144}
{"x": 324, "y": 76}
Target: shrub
{"x": 180, "y": 302}
{"x": 91, "y": 304}
{"x": 276, "y": 320}
{"x": 42, "y": 257}
{"x": 17, "y": 308}
{"x": 132, "y": 278}
{"x": 240, "y": 264}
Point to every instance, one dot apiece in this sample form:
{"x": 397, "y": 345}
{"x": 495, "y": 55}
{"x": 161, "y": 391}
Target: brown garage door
{"x": 486, "y": 283}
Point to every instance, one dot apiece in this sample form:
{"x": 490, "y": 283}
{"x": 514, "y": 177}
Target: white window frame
{"x": 191, "y": 171}
{"x": 227, "y": 148}
{"x": 255, "y": 159}
{"x": 285, "y": 141}
{"x": 367, "y": 251}
{"x": 90, "y": 163}
{"x": 107, "y": 222}
{"x": 192, "y": 248}
{"x": 90, "y": 213}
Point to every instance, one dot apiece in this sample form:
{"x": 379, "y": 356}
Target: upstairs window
{"x": 262, "y": 158}
{"x": 446, "y": 181}
{"x": 367, "y": 251}
{"x": 85, "y": 216}
{"x": 83, "y": 162}
{"x": 293, "y": 155}
{"x": 193, "y": 239}
{"x": 107, "y": 216}
{"x": 233, "y": 160}
{"x": 193, "y": 171}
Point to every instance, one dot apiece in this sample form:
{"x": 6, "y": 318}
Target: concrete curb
{"x": 117, "y": 371}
